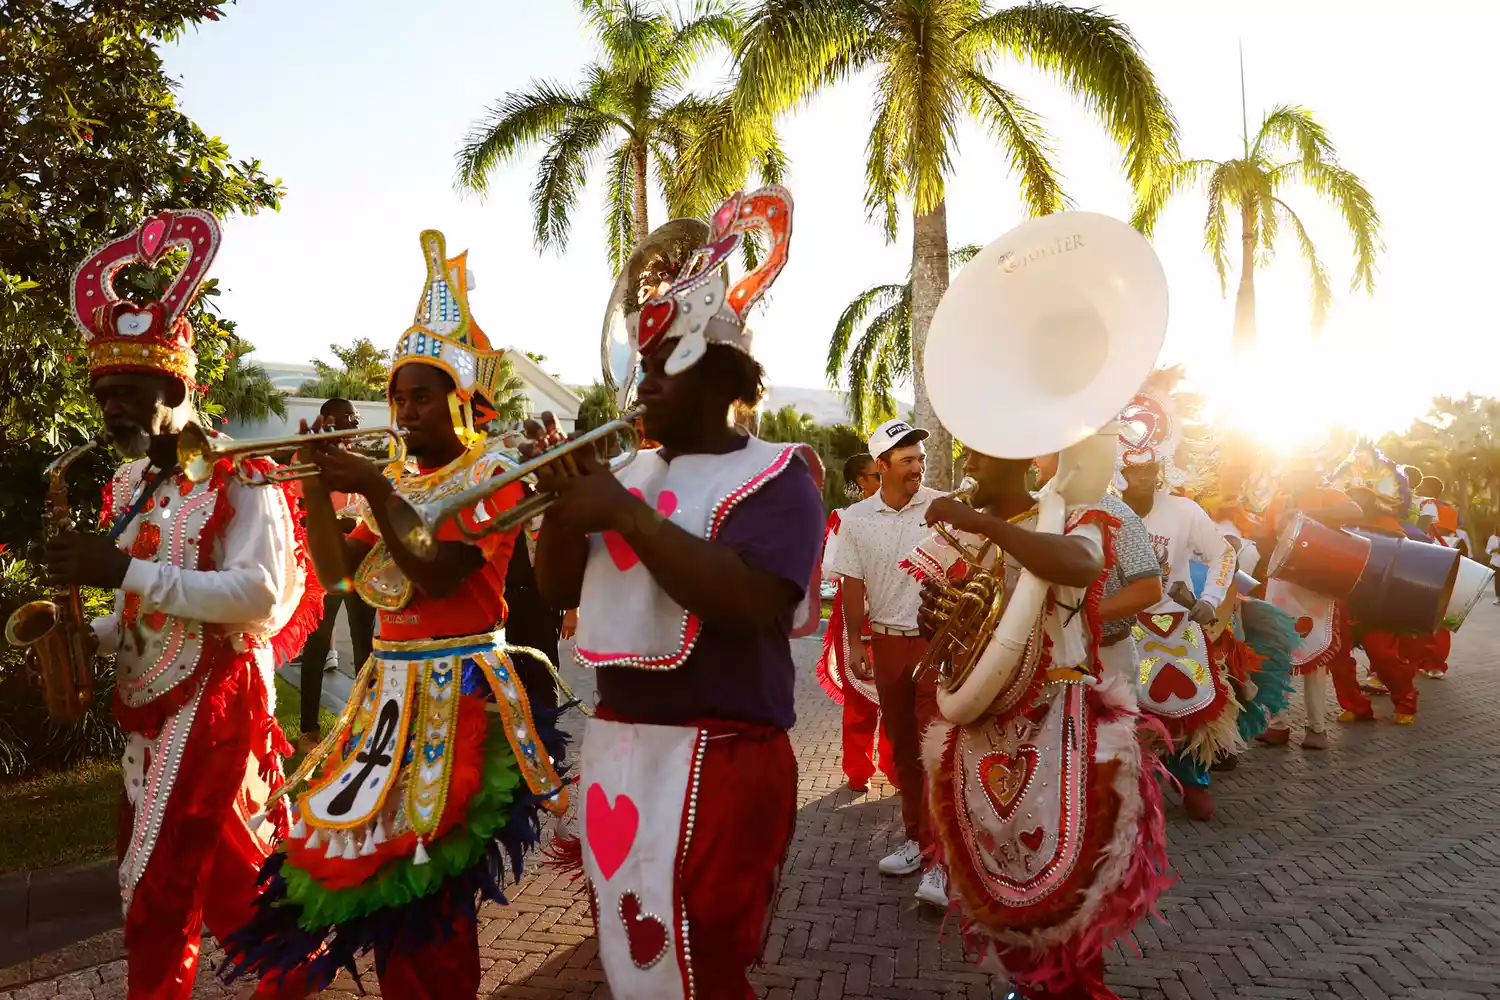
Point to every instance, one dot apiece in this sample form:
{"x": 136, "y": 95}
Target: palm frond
{"x": 1020, "y": 131}
{"x": 1322, "y": 290}
{"x": 961, "y": 256}
{"x": 885, "y": 169}
{"x": 791, "y": 49}
{"x": 619, "y": 218}
{"x": 1216, "y": 226}
{"x": 1171, "y": 179}
{"x": 631, "y": 35}
{"x": 561, "y": 175}
{"x": 850, "y": 320}
{"x": 712, "y": 25}
{"x": 517, "y": 121}
{"x": 1297, "y": 129}
{"x": 921, "y": 83}
{"x": 1266, "y": 224}
{"x": 1349, "y": 194}
{"x": 1097, "y": 58}
{"x": 719, "y": 147}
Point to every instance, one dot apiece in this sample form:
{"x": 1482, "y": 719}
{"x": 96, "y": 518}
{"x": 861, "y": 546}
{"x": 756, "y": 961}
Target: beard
{"x": 129, "y": 439}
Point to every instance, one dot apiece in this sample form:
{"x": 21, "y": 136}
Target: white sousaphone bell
{"x": 1035, "y": 347}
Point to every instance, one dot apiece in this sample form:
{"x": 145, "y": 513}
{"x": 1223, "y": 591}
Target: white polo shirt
{"x": 873, "y": 539}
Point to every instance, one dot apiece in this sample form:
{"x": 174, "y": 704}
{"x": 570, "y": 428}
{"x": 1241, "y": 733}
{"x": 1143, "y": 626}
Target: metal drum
{"x": 1318, "y": 558}
{"x": 1245, "y": 584}
{"x": 1406, "y": 586}
{"x": 1473, "y": 580}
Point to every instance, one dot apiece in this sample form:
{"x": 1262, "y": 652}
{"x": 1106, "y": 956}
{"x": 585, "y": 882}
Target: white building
{"x": 542, "y": 392}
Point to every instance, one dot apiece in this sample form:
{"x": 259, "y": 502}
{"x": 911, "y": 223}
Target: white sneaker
{"x": 933, "y": 889}
{"x": 903, "y": 860}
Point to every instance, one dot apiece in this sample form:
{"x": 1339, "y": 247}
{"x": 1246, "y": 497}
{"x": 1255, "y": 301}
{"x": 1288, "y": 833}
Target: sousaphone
{"x": 1035, "y": 347}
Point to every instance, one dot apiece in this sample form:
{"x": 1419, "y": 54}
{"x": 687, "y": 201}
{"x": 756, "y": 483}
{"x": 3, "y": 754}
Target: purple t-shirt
{"x": 738, "y": 676}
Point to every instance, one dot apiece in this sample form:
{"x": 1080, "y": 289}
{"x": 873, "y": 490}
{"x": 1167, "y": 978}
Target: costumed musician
{"x": 1439, "y": 519}
{"x": 212, "y": 586}
{"x": 432, "y": 779}
{"x": 689, "y": 568}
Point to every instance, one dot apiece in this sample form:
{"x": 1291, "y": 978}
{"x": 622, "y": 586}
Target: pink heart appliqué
{"x": 610, "y": 829}
{"x": 620, "y": 552}
{"x": 151, "y": 238}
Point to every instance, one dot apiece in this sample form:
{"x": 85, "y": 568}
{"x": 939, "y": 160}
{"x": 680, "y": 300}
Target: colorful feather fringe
{"x": 1272, "y": 634}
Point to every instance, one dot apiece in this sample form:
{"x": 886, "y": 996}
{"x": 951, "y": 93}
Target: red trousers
{"x": 205, "y": 863}
{"x": 1389, "y": 662}
{"x": 908, "y": 706}
{"x": 1429, "y": 652}
{"x": 442, "y": 970}
{"x": 865, "y": 739}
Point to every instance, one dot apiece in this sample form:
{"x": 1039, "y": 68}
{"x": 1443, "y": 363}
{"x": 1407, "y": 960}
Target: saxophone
{"x": 55, "y": 629}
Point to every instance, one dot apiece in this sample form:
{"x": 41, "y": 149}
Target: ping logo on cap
{"x": 896, "y": 431}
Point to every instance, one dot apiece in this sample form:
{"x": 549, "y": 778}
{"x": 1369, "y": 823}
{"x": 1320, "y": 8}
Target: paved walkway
{"x": 1368, "y": 870}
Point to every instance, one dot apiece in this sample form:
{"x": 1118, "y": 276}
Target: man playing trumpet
{"x": 431, "y": 780}
{"x": 211, "y": 586}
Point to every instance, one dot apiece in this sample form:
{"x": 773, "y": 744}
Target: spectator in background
{"x": 551, "y": 434}
{"x": 533, "y": 622}
{"x": 1492, "y": 552}
{"x": 337, "y": 415}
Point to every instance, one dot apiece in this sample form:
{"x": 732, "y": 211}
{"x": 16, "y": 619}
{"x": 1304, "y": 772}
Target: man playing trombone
{"x": 431, "y": 780}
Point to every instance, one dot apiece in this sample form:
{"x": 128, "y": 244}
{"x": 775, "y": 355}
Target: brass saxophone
{"x": 966, "y": 613}
{"x": 55, "y": 629}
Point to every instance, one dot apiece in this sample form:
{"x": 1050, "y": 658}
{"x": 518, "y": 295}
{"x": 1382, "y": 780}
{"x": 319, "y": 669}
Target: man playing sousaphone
{"x": 689, "y": 568}
{"x": 212, "y": 586}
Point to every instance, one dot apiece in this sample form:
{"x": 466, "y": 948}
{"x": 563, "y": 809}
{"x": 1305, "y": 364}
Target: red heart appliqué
{"x": 646, "y": 933}
{"x": 1032, "y": 839}
{"x": 620, "y": 552}
{"x": 610, "y": 829}
{"x": 1304, "y": 626}
{"x": 1005, "y": 778}
{"x": 150, "y": 241}
{"x": 1172, "y": 681}
{"x": 656, "y": 318}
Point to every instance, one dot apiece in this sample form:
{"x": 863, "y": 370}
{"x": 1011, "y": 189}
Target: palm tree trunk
{"x": 1244, "y": 302}
{"x": 929, "y": 280}
{"x": 642, "y": 227}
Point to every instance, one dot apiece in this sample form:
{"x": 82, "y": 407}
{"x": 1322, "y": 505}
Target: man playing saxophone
{"x": 209, "y": 583}
{"x": 1051, "y": 826}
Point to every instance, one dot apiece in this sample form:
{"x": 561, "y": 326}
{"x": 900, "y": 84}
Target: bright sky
{"x": 359, "y": 108}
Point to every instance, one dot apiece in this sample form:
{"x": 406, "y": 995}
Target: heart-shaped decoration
{"x": 152, "y": 240}
{"x": 655, "y": 319}
{"x": 1164, "y": 623}
{"x": 1032, "y": 839}
{"x": 1304, "y": 626}
{"x": 1137, "y": 431}
{"x": 645, "y": 932}
{"x": 728, "y": 212}
{"x": 619, "y": 549}
{"x": 1171, "y": 682}
{"x": 134, "y": 324}
{"x": 610, "y": 830}
{"x": 1005, "y": 778}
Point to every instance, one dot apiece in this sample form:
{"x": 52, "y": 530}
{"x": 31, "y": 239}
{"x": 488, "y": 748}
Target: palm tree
{"x": 932, "y": 60}
{"x": 596, "y": 407}
{"x": 633, "y": 110}
{"x": 1290, "y": 147}
{"x": 510, "y": 403}
{"x": 363, "y": 372}
{"x": 245, "y": 392}
{"x": 789, "y": 425}
{"x": 882, "y": 356}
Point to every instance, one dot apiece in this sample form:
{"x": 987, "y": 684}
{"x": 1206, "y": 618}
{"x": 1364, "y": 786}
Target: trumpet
{"x": 417, "y": 525}
{"x": 197, "y": 453}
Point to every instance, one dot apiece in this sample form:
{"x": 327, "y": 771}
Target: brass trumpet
{"x": 417, "y": 524}
{"x": 197, "y": 453}
{"x": 967, "y": 612}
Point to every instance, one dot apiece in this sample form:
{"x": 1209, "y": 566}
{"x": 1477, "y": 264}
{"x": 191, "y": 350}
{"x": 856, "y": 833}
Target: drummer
{"x": 1390, "y": 654}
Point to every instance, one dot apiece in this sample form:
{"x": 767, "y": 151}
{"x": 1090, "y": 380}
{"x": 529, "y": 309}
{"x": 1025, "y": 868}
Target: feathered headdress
{"x": 155, "y": 338}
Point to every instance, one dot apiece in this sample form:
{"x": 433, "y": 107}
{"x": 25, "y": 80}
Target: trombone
{"x": 198, "y": 453}
{"x": 417, "y": 524}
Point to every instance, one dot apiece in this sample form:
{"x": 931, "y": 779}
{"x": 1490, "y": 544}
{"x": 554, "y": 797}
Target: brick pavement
{"x": 1369, "y": 870}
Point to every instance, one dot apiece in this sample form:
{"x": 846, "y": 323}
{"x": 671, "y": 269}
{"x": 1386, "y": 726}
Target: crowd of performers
{"x": 1157, "y": 658}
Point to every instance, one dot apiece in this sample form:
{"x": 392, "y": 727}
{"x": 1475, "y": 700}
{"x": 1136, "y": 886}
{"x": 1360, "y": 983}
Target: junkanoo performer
{"x": 1440, "y": 520}
{"x": 211, "y": 587}
{"x": 1189, "y": 689}
{"x": 1049, "y": 820}
{"x": 864, "y": 737}
{"x": 688, "y": 568}
{"x": 436, "y": 771}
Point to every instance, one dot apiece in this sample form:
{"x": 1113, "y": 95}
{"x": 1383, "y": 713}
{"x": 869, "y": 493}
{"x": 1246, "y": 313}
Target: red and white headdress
{"x": 1151, "y": 428}
{"x": 155, "y": 338}
{"x": 701, "y": 306}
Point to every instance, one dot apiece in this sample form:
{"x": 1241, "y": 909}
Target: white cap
{"x": 891, "y": 433}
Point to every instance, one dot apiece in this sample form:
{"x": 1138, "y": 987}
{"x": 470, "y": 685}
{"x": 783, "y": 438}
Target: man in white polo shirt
{"x": 876, "y": 534}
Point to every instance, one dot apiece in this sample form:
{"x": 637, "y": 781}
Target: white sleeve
{"x": 845, "y": 558}
{"x": 1205, "y": 538}
{"x": 1089, "y": 533}
{"x": 244, "y": 588}
{"x": 830, "y": 554}
{"x": 107, "y": 631}
{"x": 1493, "y": 545}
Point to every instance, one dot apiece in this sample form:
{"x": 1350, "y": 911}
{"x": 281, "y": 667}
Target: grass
{"x": 67, "y": 817}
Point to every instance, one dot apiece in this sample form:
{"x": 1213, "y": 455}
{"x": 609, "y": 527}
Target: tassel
{"x": 350, "y": 850}
{"x": 379, "y": 836}
{"x": 335, "y": 845}
{"x": 368, "y": 848}
{"x": 419, "y": 857}
{"x": 314, "y": 840}
{"x": 299, "y": 829}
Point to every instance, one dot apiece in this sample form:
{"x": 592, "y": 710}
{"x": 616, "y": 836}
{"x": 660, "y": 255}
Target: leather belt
{"x": 880, "y": 629}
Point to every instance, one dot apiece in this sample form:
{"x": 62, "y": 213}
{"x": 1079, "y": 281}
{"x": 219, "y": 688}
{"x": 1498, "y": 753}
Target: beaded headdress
{"x": 1151, "y": 429}
{"x": 154, "y": 338}
{"x": 700, "y": 306}
{"x": 444, "y": 334}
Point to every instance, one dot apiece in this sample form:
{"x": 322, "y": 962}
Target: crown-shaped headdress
{"x": 1151, "y": 428}
{"x": 1368, "y": 468}
{"x": 700, "y": 306}
{"x": 444, "y": 333}
{"x": 155, "y": 338}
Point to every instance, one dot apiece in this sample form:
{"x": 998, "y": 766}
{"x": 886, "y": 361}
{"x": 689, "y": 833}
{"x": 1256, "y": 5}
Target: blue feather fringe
{"x": 1272, "y": 633}
{"x": 273, "y": 944}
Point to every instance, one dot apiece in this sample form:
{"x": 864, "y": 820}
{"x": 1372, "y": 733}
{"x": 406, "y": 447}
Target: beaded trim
{"x": 520, "y": 729}
{"x": 689, "y": 820}
{"x": 438, "y": 682}
{"x": 112, "y": 356}
{"x": 150, "y": 809}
